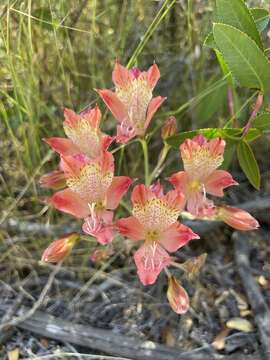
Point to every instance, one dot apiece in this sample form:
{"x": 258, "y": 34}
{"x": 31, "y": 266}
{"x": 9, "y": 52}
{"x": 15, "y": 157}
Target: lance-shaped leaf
{"x": 249, "y": 164}
{"x": 246, "y": 61}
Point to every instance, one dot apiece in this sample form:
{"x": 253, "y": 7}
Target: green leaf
{"x": 246, "y": 61}
{"x": 237, "y": 14}
{"x": 228, "y": 154}
{"x": 262, "y": 122}
{"x": 231, "y": 134}
{"x": 210, "y": 104}
{"x": 249, "y": 164}
{"x": 209, "y": 41}
{"x": 261, "y": 17}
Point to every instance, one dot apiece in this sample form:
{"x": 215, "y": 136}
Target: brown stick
{"x": 259, "y": 307}
{"x": 118, "y": 345}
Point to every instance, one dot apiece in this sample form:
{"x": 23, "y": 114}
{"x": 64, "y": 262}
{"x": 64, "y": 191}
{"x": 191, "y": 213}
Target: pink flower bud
{"x": 169, "y": 128}
{"x": 177, "y": 296}
{"x": 237, "y": 218}
{"x": 54, "y": 180}
{"x": 59, "y": 249}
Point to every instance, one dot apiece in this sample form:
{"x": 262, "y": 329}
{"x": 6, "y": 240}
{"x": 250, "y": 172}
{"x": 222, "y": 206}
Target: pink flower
{"x": 177, "y": 296}
{"x": 237, "y": 218}
{"x": 84, "y": 135}
{"x": 59, "y": 249}
{"x": 93, "y": 191}
{"x": 154, "y": 220}
{"x": 132, "y": 103}
{"x": 201, "y": 158}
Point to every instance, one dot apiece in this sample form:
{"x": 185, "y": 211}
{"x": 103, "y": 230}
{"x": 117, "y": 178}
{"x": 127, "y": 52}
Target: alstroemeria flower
{"x": 93, "y": 191}
{"x": 84, "y": 135}
{"x": 132, "y": 103}
{"x": 154, "y": 220}
{"x": 236, "y": 218}
{"x": 201, "y": 158}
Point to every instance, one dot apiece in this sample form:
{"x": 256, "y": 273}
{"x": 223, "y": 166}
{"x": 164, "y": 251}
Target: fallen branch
{"x": 115, "y": 344}
{"x": 259, "y": 307}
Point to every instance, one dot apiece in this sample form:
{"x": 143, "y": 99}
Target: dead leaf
{"x": 14, "y": 354}
{"x": 219, "y": 341}
{"x": 240, "y": 324}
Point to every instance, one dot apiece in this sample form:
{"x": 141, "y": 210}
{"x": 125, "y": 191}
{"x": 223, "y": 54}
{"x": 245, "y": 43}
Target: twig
{"x": 260, "y": 308}
{"x": 258, "y": 104}
{"x": 17, "y": 320}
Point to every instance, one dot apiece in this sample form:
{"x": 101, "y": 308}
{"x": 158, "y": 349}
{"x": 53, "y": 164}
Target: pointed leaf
{"x": 261, "y": 17}
{"x": 262, "y": 122}
{"x": 249, "y": 164}
{"x": 237, "y": 14}
{"x": 246, "y": 61}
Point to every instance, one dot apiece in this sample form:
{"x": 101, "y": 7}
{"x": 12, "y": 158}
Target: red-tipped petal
{"x": 70, "y": 203}
{"x": 92, "y": 115}
{"x": 131, "y": 228}
{"x": 118, "y": 188}
{"x": 141, "y": 194}
{"x": 154, "y": 104}
{"x": 177, "y": 236}
{"x": 153, "y": 75}
{"x": 121, "y": 76}
{"x": 116, "y": 106}
{"x": 218, "y": 181}
{"x": 62, "y": 146}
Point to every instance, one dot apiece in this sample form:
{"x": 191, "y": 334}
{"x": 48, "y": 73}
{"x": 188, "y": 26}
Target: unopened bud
{"x": 237, "y": 218}
{"x": 59, "y": 249}
{"x": 169, "y": 128}
{"x": 177, "y": 296}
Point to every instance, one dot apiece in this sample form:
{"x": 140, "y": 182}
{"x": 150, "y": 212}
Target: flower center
{"x": 152, "y": 235}
{"x": 194, "y": 186}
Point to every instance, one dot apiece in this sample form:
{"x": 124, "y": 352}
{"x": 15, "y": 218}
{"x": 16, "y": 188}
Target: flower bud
{"x": 169, "y": 128}
{"x": 193, "y": 266}
{"x": 177, "y": 296}
{"x": 54, "y": 180}
{"x": 237, "y": 218}
{"x": 59, "y": 249}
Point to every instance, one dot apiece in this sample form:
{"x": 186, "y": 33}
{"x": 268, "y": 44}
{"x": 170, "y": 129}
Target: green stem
{"x": 162, "y": 158}
{"x": 146, "y": 161}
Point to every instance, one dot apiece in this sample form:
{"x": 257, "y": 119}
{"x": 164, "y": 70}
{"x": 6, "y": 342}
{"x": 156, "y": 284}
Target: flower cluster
{"x": 88, "y": 189}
